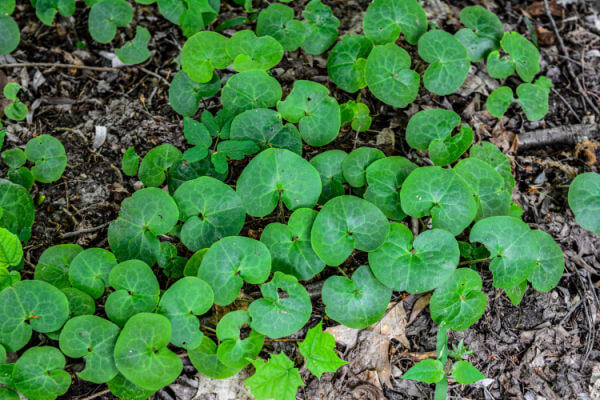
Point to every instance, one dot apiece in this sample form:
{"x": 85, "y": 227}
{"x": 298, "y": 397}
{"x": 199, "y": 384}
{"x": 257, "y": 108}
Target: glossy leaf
{"x": 49, "y": 157}
{"x": 205, "y": 360}
{"x": 278, "y": 22}
{"x": 523, "y": 55}
{"x": 491, "y": 154}
{"x": 584, "y": 200}
{"x": 250, "y": 52}
{"x": 320, "y": 27}
{"x": 550, "y": 263}
{"x": 275, "y": 379}
{"x": 466, "y": 374}
{"x": 428, "y": 371}
{"x": 11, "y": 250}
{"x": 185, "y": 94}
{"x": 39, "y": 374}
{"x": 17, "y": 209}
{"x": 250, "y": 89}
{"x": 347, "y": 60}
{"x": 89, "y": 271}
{"x": 233, "y": 351}
{"x": 53, "y": 264}
{"x": 202, "y": 53}
{"x": 385, "y": 20}
{"x": 484, "y": 33}
{"x": 318, "y": 348}
{"x": 155, "y": 162}
{"x": 355, "y": 164}
{"x": 135, "y": 51}
{"x": 329, "y": 166}
{"x": 265, "y": 127}
{"x": 106, "y": 16}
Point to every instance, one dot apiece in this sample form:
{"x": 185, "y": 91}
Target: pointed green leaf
{"x": 428, "y": 371}
{"x": 516, "y": 293}
{"x": 466, "y": 374}
{"x": 275, "y": 379}
{"x": 318, "y": 348}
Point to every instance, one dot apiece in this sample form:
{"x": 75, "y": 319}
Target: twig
{"x": 418, "y": 356}
{"x": 563, "y": 48}
{"x": 82, "y": 231}
{"x": 567, "y": 134}
{"x": 98, "y": 394}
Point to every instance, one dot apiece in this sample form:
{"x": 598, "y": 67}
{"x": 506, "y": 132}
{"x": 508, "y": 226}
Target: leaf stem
{"x": 342, "y": 271}
{"x": 208, "y": 328}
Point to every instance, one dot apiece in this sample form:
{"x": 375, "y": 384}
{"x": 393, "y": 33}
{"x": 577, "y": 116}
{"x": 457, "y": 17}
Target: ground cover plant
{"x": 175, "y": 253}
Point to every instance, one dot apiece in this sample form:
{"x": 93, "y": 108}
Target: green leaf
{"x": 385, "y": 20}
{"x": 384, "y": 178}
{"x": 156, "y": 161}
{"x": 80, "y": 303}
{"x": 127, "y": 390}
{"x": 21, "y": 176}
{"x": 184, "y": 171}
{"x": 290, "y": 245}
{"x": 47, "y": 9}
{"x": 136, "y": 291}
{"x": 239, "y": 149}
{"x": 346, "y": 223}
{"x": 49, "y": 157}
{"x": 533, "y": 97}
{"x": 584, "y": 200}
{"x": 14, "y": 158}
{"x": 135, "y": 51}
{"x": 415, "y": 267}
{"x": 11, "y": 250}
{"x": 92, "y": 338}
{"x": 278, "y": 22}
{"x": 321, "y": 27}
{"x": 347, "y": 60}
{"x": 499, "y": 68}
{"x": 428, "y": 371}
{"x": 231, "y": 261}
{"x": 171, "y": 264}
{"x": 250, "y": 52}
{"x": 2, "y": 355}
{"x": 317, "y": 113}
{"x": 7, "y": 7}
{"x": 185, "y": 94}
{"x": 145, "y": 215}
{"x": 265, "y": 127}
{"x": 329, "y": 166}
{"x": 8, "y": 278}
{"x": 89, "y": 271}
{"x": 202, "y": 53}
{"x": 278, "y": 316}
{"x": 210, "y": 210}
{"x": 493, "y": 156}
{"x": 318, "y": 348}
{"x": 10, "y": 36}
{"x": 432, "y": 130}
{"x": 130, "y": 162}
{"x": 487, "y": 186}
{"x": 499, "y": 100}
{"x": 39, "y": 374}
{"x": 185, "y": 299}
{"x": 440, "y": 193}
{"x": 53, "y": 264}
{"x": 355, "y": 164}
{"x": 196, "y": 133}
{"x": 459, "y": 302}
{"x": 30, "y": 305}
{"x": 389, "y": 76}
{"x": 233, "y": 351}
{"x": 106, "y": 16}
{"x": 250, "y": 89}
{"x": 197, "y": 15}
{"x": 513, "y": 248}
{"x": 278, "y": 175}
{"x": 142, "y": 355}
{"x": 484, "y": 33}
{"x": 358, "y": 114}
{"x": 449, "y": 61}
{"x": 550, "y": 263}
{"x": 205, "y": 360}
{"x": 275, "y": 379}
{"x": 466, "y": 374}
{"x": 17, "y": 209}
{"x": 355, "y": 303}
{"x": 516, "y": 293}
{"x": 523, "y": 54}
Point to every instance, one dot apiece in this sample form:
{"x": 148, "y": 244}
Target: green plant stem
{"x": 208, "y": 328}
{"x": 342, "y": 271}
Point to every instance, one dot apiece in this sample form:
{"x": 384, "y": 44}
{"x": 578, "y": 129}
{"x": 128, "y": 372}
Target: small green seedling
{"x": 205, "y": 360}
{"x": 106, "y": 16}
{"x": 523, "y": 57}
{"x": 385, "y": 20}
{"x": 136, "y": 51}
{"x": 278, "y": 21}
{"x": 233, "y": 351}
{"x": 347, "y": 61}
{"x": 584, "y": 200}
{"x": 46, "y": 10}
{"x": 483, "y": 33}
{"x": 532, "y": 97}
{"x": 321, "y": 27}
{"x": 49, "y": 157}
{"x": 357, "y": 114}
{"x": 15, "y": 110}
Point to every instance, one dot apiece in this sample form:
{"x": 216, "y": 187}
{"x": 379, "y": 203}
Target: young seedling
{"x": 321, "y": 27}
{"x": 347, "y": 61}
{"x": 15, "y": 110}
{"x": 46, "y": 10}
{"x": 385, "y": 20}
{"x": 233, "y": 351}
{"x": 275, "y": 379}
{"x": 584, "y": 200}
{"x": 106, "y": 16}
{"x": 278, "y": 21}
{"x": 136, "y": 51}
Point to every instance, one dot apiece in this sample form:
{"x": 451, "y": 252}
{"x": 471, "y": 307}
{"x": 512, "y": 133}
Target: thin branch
{"x": 566, "y": 134}
{"x": 98, "y": 394}
{"x": 82, "y": 231}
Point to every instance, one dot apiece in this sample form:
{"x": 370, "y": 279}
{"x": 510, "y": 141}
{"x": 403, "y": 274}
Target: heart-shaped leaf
{"x": 484, "y": 33}
{"x": 92, "y": 338}
{"x": 347, "y": 60}
{"x": 30, "y": 305}
{"x": 250, "y": 52}
{"x": 105, "y": 16}
{"x": 11, "y": 34}
{"x": 265, "y": 127}
{"x": 277, "y": 316}
{"x": 11, "y": 250}
{"x": 127, "y": 390}
{"x": 233, "y": 351}
{"x": 318, "y": 348}
{"x": 290, "y": 245}
{"x": 584, "y": 200}
{"x": 210, "y": 210}
{"x": 278, "y": 175}
{"x": 499, "y": 100}
{"x": 321, "y": 27}
{"x": 14, "y": 158}
{"x": 524, "y": 57}
{"x": 184, "y": 171}
{"x": 440, "y": 193}
{"x": 250, "y": 89}
{"x": 49, "y": 157}
{"x": 389, "y": 76}
{"x": 231, "y": 261}
{"x": 204, "y": 358}
{"x": 135, "y": 51}
{"x": 487, "y": 186}
{"x": 89, "y": 271}
{"x": 329, "y": 166}
{"x": 154, "y": 164}
{"x": 39, "y": 373}
{"x": 428, "y": 371}
{"x": 278, "y": 22}
{"x": 358, "y": 114}
{"x": 141, "y": 352}
{"x": 80, "y": 303}
{"x": 53, "y": 264}
{"x": 355, "y": 303}
{"x": 449, "y": 61}
{"x": 197, "y": 15}
{"x": 346, "y": 223}
{"x": 415, "y": 267}
{"x": 185, "y": 299}
{"x": 385, "y": 20}
{"x": 143, "y": 216}
{"x": 185, "y": 94}
{"x": 550, "y": 263}
{"x": 384, "y": 178}
{"x": 136, "y": 291}
{"x": 130, "y": 162}
{"x": 533, "y": 98}
{"x": 492, "y": 155}
{"x": 513, "y": 248}
{"x": 317, "y": 114}
{"x": 355, "y": 164}
{"x": 202, "y": 53}
{"x": 459, "y": 303}
{"x": 17, "y": 209}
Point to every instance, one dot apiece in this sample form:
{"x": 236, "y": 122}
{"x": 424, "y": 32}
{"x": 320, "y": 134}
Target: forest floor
{"x": 546, "y": 348}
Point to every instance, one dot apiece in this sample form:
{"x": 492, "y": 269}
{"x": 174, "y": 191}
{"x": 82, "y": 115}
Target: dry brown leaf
{"x": 420, "y": 304}
{"x": 537, "y": 9}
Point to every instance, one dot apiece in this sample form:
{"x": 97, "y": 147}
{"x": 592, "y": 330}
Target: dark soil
{"x": 545, "y": 348}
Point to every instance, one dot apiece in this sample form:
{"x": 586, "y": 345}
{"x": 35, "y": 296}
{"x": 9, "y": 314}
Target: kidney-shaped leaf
{"x": 250, "y": 89}
{"x": 320, "y": 27}
{"x": 265, "y": 127}
{"x": 550, "y": 263}
{"x": 355, "y": 164}
{"x": 524, "y": 56}
{"x": 584, "y": 200}
{"x": 39, "y": 373}
{"x": 346, "y": 62}
{"x": 484, "y": 33}
{"x": 185, "y": 94}
{"x": 49, "y": 157}
{"x": 154, "y": 164}
{"x": 202, "y": 53}
{"x": 89, "y": 271}
{"x": 277, "y": 316}
{"x": 385, "y": 20}
{"x": 135, "y": 51}
{"x": 250, "y": 52}
{"x": 17, "y": 209}
{"x": 53, "y": 264}
{"x": 141, "y": 352}
{"x": 204, "y": 358}
{"x": 329, "y": 166}
{"x": 106, "y": 16}
{"x": 278, "y": 22}
{"x": 234, "y": 351}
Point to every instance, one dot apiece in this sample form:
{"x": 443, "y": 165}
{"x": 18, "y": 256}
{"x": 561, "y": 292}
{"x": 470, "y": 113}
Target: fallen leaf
{"x": 420, "y": 304}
